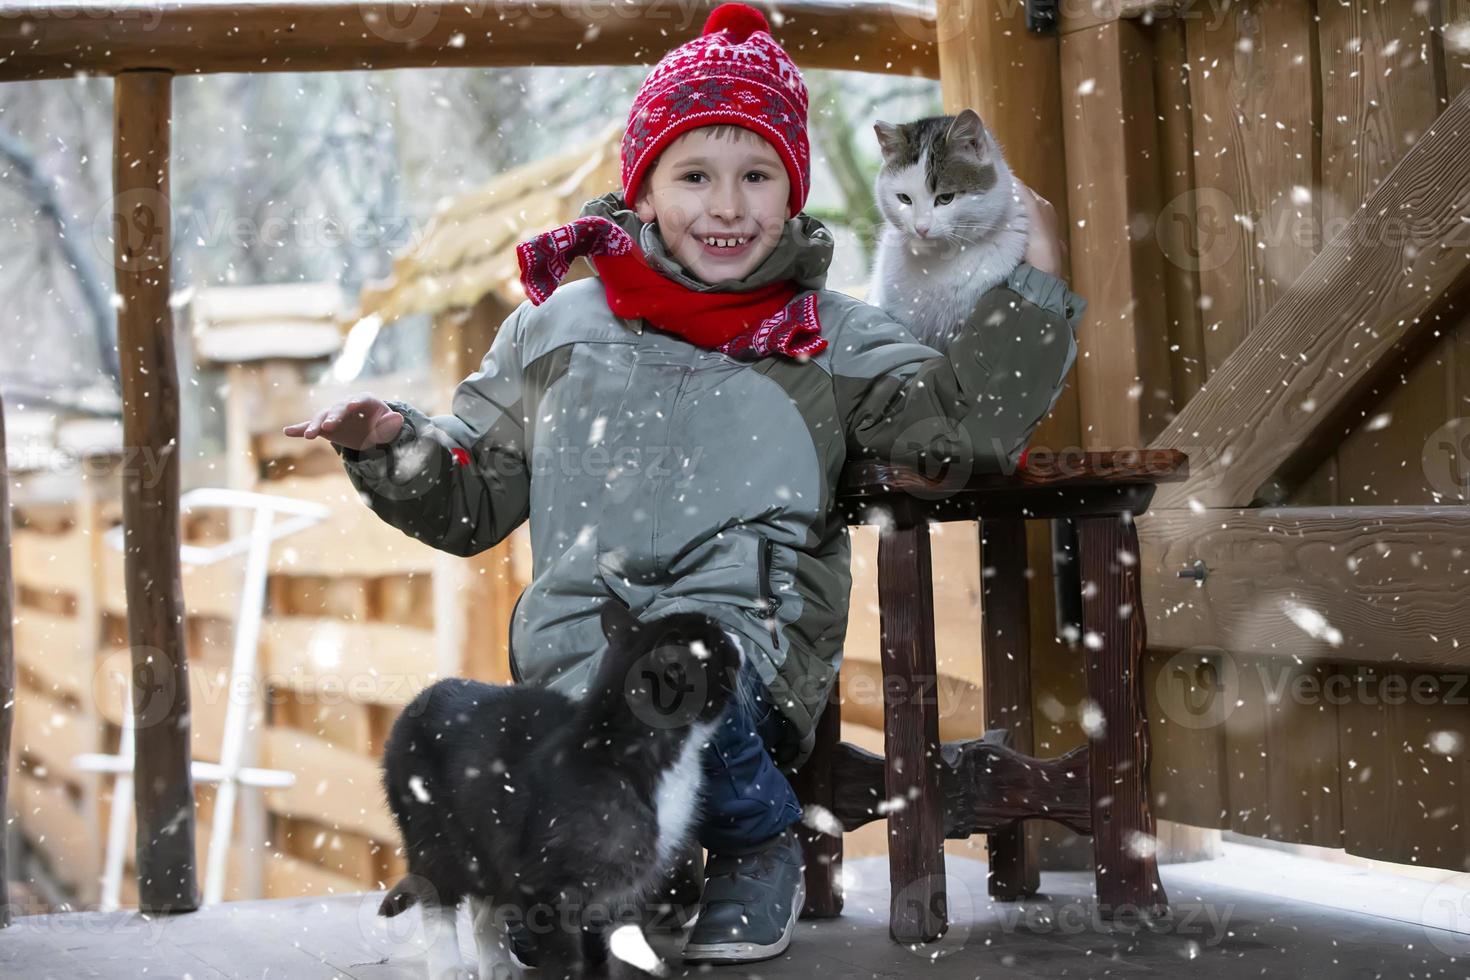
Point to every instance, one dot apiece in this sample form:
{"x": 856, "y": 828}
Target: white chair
{"x": 228, "y": 774}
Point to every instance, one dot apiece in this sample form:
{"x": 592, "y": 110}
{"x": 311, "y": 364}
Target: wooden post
{"x": 164, "y": 791}
{"x": 1123, "y": 838}
{"x": 7, "y": 664}
{"x": 1006, "y": 615}
{"x": 918, "y": 910}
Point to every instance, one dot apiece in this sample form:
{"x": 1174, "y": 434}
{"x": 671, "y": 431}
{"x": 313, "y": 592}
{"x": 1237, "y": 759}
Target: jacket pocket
{"x": 770, "y": 601}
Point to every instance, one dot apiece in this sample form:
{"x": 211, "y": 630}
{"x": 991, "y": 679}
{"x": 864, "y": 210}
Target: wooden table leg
{"x": 7, "y": 665}
{"x": 814, "y": 785}
{"x": 918, "y": 911}
{"x": 1123, "y": 838}
{"x": 1006, "y": 688}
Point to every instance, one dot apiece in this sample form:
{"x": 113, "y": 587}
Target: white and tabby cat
{"x": 955, "y": 223}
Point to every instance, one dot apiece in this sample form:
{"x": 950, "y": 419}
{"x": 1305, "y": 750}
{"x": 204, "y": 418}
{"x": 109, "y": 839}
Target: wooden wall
{"x": 1274, "y": 121}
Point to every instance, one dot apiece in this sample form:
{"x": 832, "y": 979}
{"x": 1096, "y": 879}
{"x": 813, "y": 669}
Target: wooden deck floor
{"x": 1250, "y": 914}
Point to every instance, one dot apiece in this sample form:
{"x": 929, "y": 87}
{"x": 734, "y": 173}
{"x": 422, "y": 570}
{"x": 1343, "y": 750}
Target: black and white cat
{"x": 955, "y": 223}
{"x": 553, "y": 812}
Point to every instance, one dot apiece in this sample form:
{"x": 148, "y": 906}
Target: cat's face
{"x": 943, "y": 181}
{"x": 703, "y": 187}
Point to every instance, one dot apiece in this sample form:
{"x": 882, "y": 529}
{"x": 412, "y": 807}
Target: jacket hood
{"x": 803, "y": 254}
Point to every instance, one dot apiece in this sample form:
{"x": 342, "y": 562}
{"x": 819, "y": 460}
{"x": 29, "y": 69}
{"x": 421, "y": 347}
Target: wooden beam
{"x": 7, "y": 664}
{"x": 990, "y": 63}
{"x": 1277, "y": 405}
{"x": 1114, "y": 177}
{"x": 141, "y": 241}
{"x": 59, "y": 40}
{"x": 1343, "y": 584}
{"x": 1094, "y": 13}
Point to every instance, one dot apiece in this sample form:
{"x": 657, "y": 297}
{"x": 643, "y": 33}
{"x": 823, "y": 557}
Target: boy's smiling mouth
{"x": 725, "y": 251}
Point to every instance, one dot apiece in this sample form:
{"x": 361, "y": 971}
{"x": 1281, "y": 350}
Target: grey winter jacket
{"x": 676, "y": 478}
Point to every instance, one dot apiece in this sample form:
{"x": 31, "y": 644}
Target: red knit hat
{"x": 734, "y": 72}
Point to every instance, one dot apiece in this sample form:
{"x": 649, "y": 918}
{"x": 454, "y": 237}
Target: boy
{"x": 674, "y": 430}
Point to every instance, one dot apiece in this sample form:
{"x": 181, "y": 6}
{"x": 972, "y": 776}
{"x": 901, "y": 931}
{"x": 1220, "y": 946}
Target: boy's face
{"x": 702, "y": 188}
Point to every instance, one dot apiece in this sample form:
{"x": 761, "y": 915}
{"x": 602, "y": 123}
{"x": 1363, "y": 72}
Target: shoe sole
{"x": 749, "y": 952}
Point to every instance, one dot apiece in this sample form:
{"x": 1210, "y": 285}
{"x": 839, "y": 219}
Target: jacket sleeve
{"x": 459, "y": 482}
{"x": 904, "y": 403}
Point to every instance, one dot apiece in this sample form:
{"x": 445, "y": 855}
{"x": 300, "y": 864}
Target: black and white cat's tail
{"x": 402, "y": 897}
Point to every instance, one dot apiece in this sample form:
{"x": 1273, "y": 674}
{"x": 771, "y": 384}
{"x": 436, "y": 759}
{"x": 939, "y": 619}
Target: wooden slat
{"x": 51, "y": 562}
{"x": 49, "y": 40}
{"x": 48, "y": 648}
{"x": 1456, "y": 36}
{"x": 1378, "y": 98}
{"x": 50, "y": 821}
{"x": 1369, "y": 585}
{"x": 1405, "y": 781}
{"x": 334, "y": 787}
{"x": 209, "y": 590}
{"x": 1186, "y": 716}
{"x": 355, "y": 541}
{"x": 1254, "y": 146}
{"x": 53, "y": 734}
{"x": 1177, "y": 228}
{"x": 1113, "y": 172}
{"x": 1308, "y": 363}
{"x": 377, "y": 663}
{"x": 150, "y": 387}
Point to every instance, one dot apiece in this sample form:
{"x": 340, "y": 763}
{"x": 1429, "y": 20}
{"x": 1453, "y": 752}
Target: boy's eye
{"x": 943, "y": 199}
{"x": 905, "y": 199}
{"x": 753, "y": 173}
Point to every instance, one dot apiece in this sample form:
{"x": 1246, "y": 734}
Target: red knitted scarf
{"x": 767, "y": 320}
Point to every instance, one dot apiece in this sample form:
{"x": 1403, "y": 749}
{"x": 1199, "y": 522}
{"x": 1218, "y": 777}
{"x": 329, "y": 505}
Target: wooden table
{"x": 931, "y": 791}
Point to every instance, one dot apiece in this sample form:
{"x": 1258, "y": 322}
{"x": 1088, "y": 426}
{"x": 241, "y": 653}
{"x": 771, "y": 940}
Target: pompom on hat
{"x": 734, "y": 72}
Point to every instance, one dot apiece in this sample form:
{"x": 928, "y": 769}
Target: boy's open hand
{"x": 359, "y": 423}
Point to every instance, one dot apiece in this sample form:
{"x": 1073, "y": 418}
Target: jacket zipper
{"x": 510, "y": 653}
{"x": 771, "y": 601}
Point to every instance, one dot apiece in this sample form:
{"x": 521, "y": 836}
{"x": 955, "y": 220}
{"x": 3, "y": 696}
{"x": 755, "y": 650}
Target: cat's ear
{"x": 618, "y": 623}
{"x": 968, "y": 132}
{"x": 890, "y": 138}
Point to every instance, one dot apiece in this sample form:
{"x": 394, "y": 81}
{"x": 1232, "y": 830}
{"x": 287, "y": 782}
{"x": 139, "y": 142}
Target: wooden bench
{"x": 935, "y": 791}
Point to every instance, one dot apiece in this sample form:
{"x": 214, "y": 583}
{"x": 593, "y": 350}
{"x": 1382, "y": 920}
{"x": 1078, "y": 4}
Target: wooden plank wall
{"x": 1295, "y": 111}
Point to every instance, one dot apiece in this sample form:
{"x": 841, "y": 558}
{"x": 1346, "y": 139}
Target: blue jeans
{"x": 747, "y": 799}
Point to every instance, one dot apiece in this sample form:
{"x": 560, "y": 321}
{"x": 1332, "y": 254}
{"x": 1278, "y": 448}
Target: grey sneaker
{"x": 750, "y": 904}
